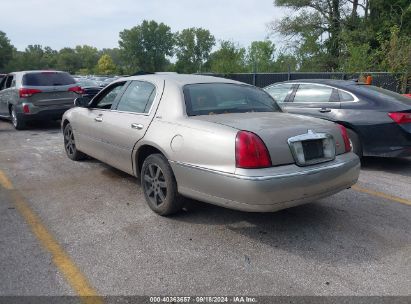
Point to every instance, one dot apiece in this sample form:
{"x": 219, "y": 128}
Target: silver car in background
{"x": 211, "y": 139}
{"x": 36, "y": 95}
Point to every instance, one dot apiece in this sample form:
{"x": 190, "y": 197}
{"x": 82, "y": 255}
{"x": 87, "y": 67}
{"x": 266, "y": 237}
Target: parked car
{"x": 211, "y": 139}
{"x": 378, "y": 121}
{"x": 90, "y": 87}
{"x": 36, "y": 95}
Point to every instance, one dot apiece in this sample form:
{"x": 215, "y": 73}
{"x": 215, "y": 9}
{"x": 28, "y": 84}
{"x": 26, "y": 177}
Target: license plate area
{"x": 312, "y": 148}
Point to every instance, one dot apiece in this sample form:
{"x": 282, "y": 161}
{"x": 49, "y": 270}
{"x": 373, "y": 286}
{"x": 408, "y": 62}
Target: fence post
{"x": 289, "y": 72}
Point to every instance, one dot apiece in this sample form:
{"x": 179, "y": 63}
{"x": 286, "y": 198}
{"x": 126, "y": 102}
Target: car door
{"x": 6, "y": 94}
{"x": 123, "y": 126}
{"x": 87, "y": 122}
{"x": 315, "y": 100}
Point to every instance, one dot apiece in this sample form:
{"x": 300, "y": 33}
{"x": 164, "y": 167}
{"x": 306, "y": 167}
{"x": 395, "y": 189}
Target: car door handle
{"x": 137, "y": 126}
{"x": 98, "y": 119}
{"x": 324, "y": 110}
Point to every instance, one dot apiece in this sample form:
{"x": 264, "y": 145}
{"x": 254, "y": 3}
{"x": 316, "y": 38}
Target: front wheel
{"x": 18, "y": 122}
{"x": 70, "y": 144}
{"x": 160, "y": 186}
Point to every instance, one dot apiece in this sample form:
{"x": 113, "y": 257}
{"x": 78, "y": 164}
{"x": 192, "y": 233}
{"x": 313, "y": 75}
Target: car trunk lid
{"x": 275, "y": 129}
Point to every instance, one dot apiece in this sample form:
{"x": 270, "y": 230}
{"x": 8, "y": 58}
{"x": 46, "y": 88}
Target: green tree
{"x": 315, "y": 19}
{"x": 68, "y": 60}
{"x": 146, "y": 46}
{"x": 229, "y": 58}
{"x": 260, "y": 56}
{"x": 87, "y": 56}
{"x": 6, "y": 51}
{"x": 105, "y": 65}
{"x": 193, "y": 47}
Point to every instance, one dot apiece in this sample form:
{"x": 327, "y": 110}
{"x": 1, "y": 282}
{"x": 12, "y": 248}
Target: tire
{"x": 355, "y": 142}
{"x": 160, "y": 186}
{"x": 70, "y": 145}
{"x": 18, "y": 122}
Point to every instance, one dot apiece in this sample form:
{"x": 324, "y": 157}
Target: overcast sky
{"x": 98, "y": 22}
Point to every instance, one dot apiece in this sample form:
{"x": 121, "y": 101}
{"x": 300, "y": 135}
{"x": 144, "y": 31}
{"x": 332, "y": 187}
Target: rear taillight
{"x": 347, "y": 143}
{"x": 24, "y": 93}
{"x": 250, "y": 151}
{"x": 76, "y": 89}
{"x": 26, "y": 108}
{"x": 400, "y": 118}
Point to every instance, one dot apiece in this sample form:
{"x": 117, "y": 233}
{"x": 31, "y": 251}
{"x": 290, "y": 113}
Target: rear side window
{"x": 137, "y": 98}
{"x": 48, "y": 79}
{"x": 344, "y": 96}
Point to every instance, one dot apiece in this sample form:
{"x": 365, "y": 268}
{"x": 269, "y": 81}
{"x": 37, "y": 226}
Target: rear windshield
{"x": 45, "y": 79}
{"x": 218, "y": 98}
{"x": 382, "y": 93}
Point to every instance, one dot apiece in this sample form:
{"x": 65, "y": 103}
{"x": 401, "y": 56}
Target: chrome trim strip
{"x": 356, "y": 99}
{"x": 262, "y": 178}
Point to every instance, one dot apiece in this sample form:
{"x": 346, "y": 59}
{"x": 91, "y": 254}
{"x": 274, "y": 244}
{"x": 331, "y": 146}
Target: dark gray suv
{"x": 36, "y": 95}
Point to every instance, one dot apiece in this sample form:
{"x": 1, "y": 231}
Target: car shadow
{"x": 400, "y": 166}
{"x": 320, "y": 231}
{"x": 53, "y": 126}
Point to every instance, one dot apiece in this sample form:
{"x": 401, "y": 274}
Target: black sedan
{"x": 378, "y": 121}
{"x": 90, "y": 87}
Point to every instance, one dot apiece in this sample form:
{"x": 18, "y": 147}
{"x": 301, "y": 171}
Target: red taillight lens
{"x": 23, "y": 93}
{"x": 26, "y": 108}
{"x": 250, "y": 151}
{"x": 347, "y": 144}
{"x": 400, "y": 118}
{"x": 76, "y": 89}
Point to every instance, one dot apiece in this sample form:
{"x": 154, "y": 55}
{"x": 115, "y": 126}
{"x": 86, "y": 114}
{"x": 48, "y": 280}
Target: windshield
{"x": 49, "y": 78}
{"x": 218, "y": 98}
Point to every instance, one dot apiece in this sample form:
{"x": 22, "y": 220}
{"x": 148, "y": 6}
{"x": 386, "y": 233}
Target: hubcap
{"x": 155, "y": 184}
{"x": 69, "y": 141}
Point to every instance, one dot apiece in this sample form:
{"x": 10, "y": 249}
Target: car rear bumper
{"x": 43, "y": 113}
{"x": 272, "y": 189}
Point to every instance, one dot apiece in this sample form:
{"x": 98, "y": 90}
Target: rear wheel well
{"x": 10, "y": 106}
{"x": 142, "y": 153}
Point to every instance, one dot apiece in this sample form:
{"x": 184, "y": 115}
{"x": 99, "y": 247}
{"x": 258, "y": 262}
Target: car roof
{"x": 331, "y": 82}
{"x": 181, "y": 79}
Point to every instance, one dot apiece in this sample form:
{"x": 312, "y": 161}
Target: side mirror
{"x": 82, "y": 102}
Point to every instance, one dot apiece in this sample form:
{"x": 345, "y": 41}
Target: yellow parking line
{"x": 61, "y": 259}
{"x": 382, "y": 195}
{"x": 5, "y": 182}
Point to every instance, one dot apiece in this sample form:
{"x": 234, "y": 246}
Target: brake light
{"x": 347, "y": 143}
{"x": 76, "y": 89}
{"x": 24, "y": 93}
{"x": 26, "y": 108}
{"x": 250, "y": 151}
{"x": 400, "y": 118}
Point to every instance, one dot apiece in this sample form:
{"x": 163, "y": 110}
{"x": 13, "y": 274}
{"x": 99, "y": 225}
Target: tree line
{"x": 319, "y": 35}
{"x": 149, "y": 47}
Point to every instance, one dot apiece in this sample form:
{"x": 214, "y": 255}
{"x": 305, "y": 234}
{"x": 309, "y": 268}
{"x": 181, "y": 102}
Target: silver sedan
{"x": 211, "y": 139}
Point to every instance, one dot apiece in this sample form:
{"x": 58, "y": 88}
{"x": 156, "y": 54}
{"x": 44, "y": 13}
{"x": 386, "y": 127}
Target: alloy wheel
{"x": 155, "y": 184}
{"x": 69, "y": 143}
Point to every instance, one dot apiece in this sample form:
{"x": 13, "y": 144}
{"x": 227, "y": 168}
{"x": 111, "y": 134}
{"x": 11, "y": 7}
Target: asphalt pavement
{"x": 68, "y": 228}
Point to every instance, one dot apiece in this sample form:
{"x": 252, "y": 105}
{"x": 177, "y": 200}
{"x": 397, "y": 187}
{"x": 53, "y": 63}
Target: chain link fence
{"x": 389, "y": 81}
